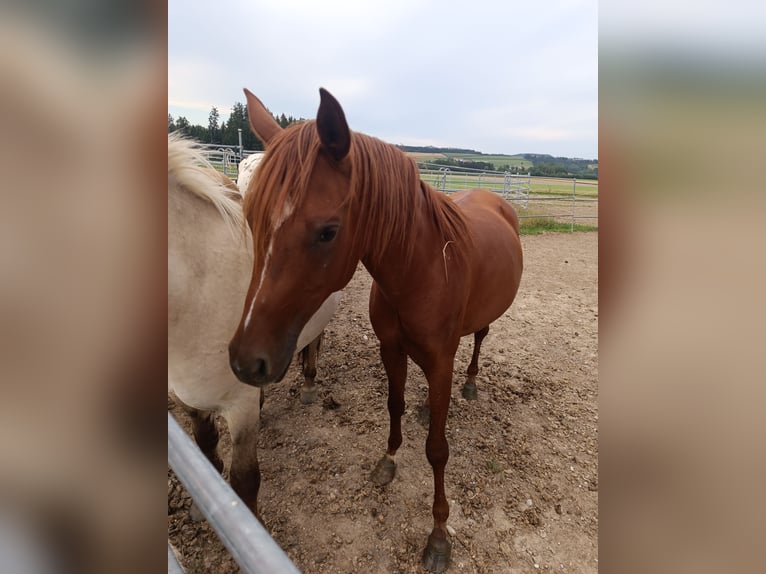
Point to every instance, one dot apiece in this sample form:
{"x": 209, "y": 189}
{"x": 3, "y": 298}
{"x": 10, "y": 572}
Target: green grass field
{"x": 537, "y": 225}
{"x": 538, "y": 186}
{"x": 425, "y": 156}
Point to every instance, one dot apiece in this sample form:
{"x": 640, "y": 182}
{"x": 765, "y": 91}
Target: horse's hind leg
{"x": 309, "y": 362}
{"x": 469, "y": 389}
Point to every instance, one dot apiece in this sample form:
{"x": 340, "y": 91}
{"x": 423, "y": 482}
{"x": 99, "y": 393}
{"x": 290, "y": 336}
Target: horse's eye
{"x": 327, "y": 234}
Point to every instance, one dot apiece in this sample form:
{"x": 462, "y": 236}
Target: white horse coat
{"x": 210, "y": 262}
{"x": 246, "y": 170}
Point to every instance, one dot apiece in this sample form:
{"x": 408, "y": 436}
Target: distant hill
{"x": 436, "y": 150}
{"x": 533, "y": 163}
{"x": 544, "y": 164}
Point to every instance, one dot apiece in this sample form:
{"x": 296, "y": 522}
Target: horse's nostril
{"x": 235, "y": 366}
{"x": 260, "y": 368}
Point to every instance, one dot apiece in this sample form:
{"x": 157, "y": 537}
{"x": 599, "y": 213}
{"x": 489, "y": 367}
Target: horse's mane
{"x": 194, "y": 174}
{"x": 385, "y": 185}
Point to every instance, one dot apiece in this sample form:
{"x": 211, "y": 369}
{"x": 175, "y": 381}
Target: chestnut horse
{"x": 209, "y": 265}
{"x": 325, "y": 198}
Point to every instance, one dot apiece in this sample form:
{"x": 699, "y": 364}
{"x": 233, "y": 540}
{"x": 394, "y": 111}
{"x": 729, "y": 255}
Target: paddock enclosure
{"x": 522, "y": 478}
{"x": 564, "y": 200}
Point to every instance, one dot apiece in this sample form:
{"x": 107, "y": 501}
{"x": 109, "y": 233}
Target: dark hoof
{"x": 217, "y": 463}
{"x": 424, "y": 415}
{"x": 195, "y": 513}
{"x": 384, "y": 471}
{"x": 308, "y": 395}
{"x": 469, "y": 392}
{"x": 436, "y": 555}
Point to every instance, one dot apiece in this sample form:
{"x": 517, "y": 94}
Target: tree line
{"x": 549, "y": 166}
{"x": 543, "y": 165}
{"x": 226, "y": 132}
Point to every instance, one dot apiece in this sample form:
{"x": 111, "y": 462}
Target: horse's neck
{"x": 394, "y": 269}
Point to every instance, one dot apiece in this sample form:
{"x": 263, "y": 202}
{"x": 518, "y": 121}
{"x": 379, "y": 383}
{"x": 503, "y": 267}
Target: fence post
{"x": 574, "y": 193}
{"x": 239, "y": 134}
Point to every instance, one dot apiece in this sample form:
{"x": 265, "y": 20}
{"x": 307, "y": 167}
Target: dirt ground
{"x": 522, "y": 478}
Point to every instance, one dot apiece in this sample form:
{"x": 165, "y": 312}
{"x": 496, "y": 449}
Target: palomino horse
{"x": 209, "y": 264}
{"x": 325, "y": 198}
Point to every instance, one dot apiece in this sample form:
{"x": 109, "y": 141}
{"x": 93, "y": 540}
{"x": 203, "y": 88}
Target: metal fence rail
{"x": 225, "y": 158}
{"x": 518, "y": 189}
{"x": 173, "y": 566}
{"x": 248, "y": 541}
{"x": 514, "y": 187}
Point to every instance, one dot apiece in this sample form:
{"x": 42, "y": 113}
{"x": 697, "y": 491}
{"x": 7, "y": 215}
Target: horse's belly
{"x": 318, "y": 321}
{"x": 201, "y": 384}
{"x": 484, "y": 311}
{"x": 496, "y": 267}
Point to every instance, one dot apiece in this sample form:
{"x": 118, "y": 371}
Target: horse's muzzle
{"x": 257, "y": 371}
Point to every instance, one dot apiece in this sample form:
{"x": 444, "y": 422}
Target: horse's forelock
{"x": 281, "y": 181}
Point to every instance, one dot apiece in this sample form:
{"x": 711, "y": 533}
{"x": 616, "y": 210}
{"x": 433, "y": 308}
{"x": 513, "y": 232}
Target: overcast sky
{"x": 495, "y": 76}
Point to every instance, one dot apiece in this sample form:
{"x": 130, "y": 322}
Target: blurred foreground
{"x": 82, "y": 288}
{"x": 682, "y": 276}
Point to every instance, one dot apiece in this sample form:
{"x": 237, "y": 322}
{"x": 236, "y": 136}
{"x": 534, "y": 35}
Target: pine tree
{"x": 237, "y": 120}
{"x": 182, "y": 124}
{"x": 212, "y": 125}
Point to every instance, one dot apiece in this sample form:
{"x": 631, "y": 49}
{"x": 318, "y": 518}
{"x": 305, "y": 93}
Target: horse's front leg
{"x": 243, "y": 420}
{"x": 205, "y": 434}
{"x": 436, "y": 555}
{"x": 395, "y": 363}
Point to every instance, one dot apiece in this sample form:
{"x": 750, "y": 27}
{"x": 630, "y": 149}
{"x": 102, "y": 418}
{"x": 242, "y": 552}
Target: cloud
{"x": 417, "y": 71}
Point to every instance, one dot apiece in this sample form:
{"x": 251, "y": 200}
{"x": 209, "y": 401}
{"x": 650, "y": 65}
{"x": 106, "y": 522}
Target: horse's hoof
{"x": 424, "y": 416}
{"x": 195, "y": 513}
{"x": 308, "y": 395}
{"x": 469, "y": 392}
{"x": 384, "y": 471}
{"x": 436, "y": 555}
{"x": 217, "y": 462}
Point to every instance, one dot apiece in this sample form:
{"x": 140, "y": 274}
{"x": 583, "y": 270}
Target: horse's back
{"x": 246, "y": 170}
{"x": 226, "y": 181}
{"x": 496, "y": 261}
{"x": 478, "y": 203}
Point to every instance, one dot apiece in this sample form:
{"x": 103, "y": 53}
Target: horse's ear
{"x": 261, "y": 121}
{"x": 332, "y": 127}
